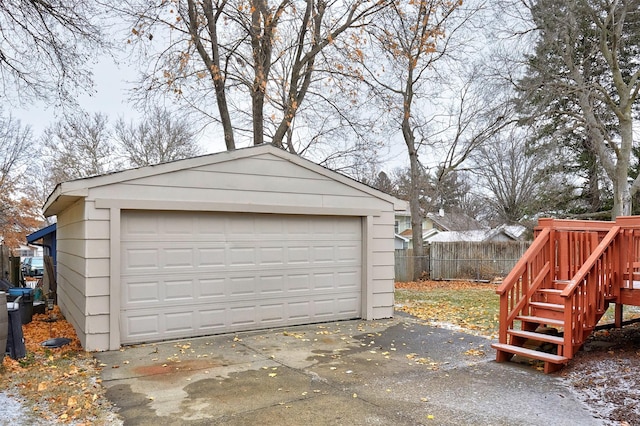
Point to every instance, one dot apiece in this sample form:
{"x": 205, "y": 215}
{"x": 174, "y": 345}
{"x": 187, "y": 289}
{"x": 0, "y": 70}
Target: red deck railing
{"x": 589, "y": 264}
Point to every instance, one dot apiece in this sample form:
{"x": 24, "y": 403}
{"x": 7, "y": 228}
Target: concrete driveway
{"x": 389, "y": 372}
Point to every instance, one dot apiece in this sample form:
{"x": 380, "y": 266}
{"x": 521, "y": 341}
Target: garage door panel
{"x": 241, "y": 316}
{"x": 347, "y": 280}
{"x": 298, "y": 255}
{"x": 178, "y": 258}
{"x": 242, "y": 256}
{"x": 141, "y": 259}
{"x": 212, "y": 319}
{"x": 271, "y": 285}
{"x": 142, "y": 292}
{"x": 212, "y": 257}
{"x": 274, "y": 256}
{"x": 142, "y": 326}
{"x": 177, "y": 225}
{"x": 272, "y": 313}
{"x": 139, "y": 224}
{"x": 176, "y": 290}
{"x": 323, "y": 281}
{"x": 179, "y": 322}
{"x": 349, "y": 254}
{"x": 242, "y": 286}
{"x": 212, "y": 273}
{"x": 212, "y": 288}
{"x": 346, "y": 305}
{"x": 323, "y": 254}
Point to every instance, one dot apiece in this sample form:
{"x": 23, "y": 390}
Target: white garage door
{"x": 191, "y": 274}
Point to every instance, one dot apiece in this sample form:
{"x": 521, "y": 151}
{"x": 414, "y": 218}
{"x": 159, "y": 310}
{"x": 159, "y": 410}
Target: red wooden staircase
{"x": 558, "y": 291}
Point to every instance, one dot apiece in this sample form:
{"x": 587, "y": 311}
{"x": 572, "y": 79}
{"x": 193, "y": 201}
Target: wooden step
{"x": 541, "y": 320}
{"x": 550, "y": 295}
{"x": 549, "y": 306}
{"x": 556, "y": 291}
{"x": 561, "y": 283}
{"x": 528, "y": 353}
{"x": 557, "y": 340}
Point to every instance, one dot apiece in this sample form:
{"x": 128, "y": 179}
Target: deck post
{"x": 618, "y": 314}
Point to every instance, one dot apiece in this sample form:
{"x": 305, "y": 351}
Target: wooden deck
{"x": 558, "y": 291}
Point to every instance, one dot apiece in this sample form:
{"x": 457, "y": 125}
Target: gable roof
{"x": 454, "y": 221}
{"x": 475, "y": 235}
{"x": 66, "y": 193}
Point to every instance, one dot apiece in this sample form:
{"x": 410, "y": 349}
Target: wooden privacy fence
{"x": 482, "y": 261}
{"x": 5, "y": 265}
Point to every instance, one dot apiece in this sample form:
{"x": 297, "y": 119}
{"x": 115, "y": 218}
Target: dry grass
{"x": 468, "y": 305}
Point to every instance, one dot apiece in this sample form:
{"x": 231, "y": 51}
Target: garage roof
{"x": 67, "y": 193}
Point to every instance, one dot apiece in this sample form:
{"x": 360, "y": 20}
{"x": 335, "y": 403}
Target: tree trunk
{"x": 212, "y": 62}
{"x": 225, "y": 117}
{"x": 416, "y": 214}
{"x": 257, "y": 115}
{"x": 414, "y": 192}
{"x": 621, "y": 192}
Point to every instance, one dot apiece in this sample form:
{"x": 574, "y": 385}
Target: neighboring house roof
{"x": 400, "y": 237}
{"x": 429, "y": 234}
{"x": 515, "y": 231}
{"x": 476, "y": 235}
{"x": 453, "y": 221}
{"x": 408, "y": 234}
{"x": 41, "y": 233}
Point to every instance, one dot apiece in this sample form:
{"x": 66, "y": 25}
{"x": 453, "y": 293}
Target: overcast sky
{"x": 112, "y": 82}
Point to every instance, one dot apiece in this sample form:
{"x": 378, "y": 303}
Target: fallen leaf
{"x": 72, "y": 401}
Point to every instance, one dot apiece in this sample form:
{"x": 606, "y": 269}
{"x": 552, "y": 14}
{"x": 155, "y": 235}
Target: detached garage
{"x": 234, "y": 241}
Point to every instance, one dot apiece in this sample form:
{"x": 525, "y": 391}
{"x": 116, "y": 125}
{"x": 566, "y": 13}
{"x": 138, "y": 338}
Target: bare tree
{"x": 79, "y": 145}
{"x": 227, "y": 50}
{"x": 15, "y": 142}
{"x": 18, "y": 215}
{"x": 520, "y": 183}
{"x": 46, "y": 47}
{"x": 161, "y": 136}
{"x": 412, "y": 45}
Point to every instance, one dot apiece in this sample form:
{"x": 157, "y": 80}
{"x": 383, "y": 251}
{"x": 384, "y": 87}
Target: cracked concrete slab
{"x": 398, "y": 371}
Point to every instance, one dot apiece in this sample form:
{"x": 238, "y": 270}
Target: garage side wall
{"x": 381, "y": 259}
{"x": 83, "y": 272}
{"x": 71, "y": 267}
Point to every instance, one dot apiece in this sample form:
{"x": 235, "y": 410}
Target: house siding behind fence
{"x": 482, "y": 261}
